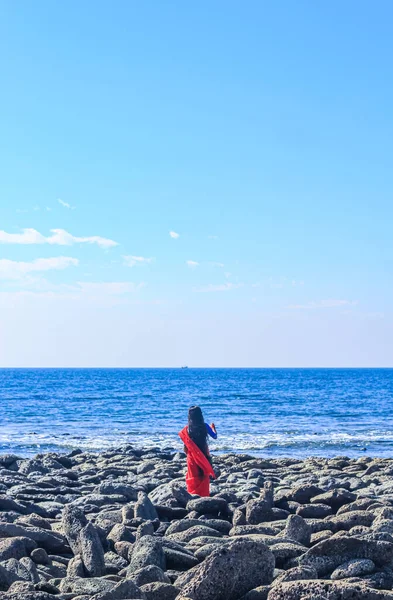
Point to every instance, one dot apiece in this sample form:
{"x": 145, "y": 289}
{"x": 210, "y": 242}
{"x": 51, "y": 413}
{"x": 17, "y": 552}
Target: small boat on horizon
{"x": 184, "y": 367}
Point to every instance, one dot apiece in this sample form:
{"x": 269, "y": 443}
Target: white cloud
{"x": 174, "y": 235}
{"x": 192, "y": 264}
{"x": 213, "y": 237}
{"x": 218, "y": 265}
{"x": 324, "y": 304}
{"x": 13, "y": 269}
{"x": 65, "y": 204}
{"x": 223, "y": 287}
{"x": 131, "y": 261}
{"x": 59, "y": 237}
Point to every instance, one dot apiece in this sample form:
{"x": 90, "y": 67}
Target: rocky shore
{"x": 121, "y": 526}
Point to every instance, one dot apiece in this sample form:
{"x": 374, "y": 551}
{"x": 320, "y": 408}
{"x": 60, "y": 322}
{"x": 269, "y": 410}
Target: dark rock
{"x": 73, "y": 521}
{"x": 92, "y": 552}
{"x": 123, "y": 589}
{"x": 314, "y": 511}
{"x": 229, "y": 572}
{"x": 353, "y": 568}
{"x": 178, "y": 560}
{"x": 304, "y": 493}
{"x": 213, "y": 505}
{"x": 124, "y": 549}
{"x": 31, "y": 568}
{"x": 296, "y": 574}
{"x": 149, "y": 574}
{"x": 21, "y": 587}
{"x": 7, "y": 504}
{"x": 348, "y": 520}
{"x": 297, "y": 529}
{"x": 325, "y": 590}
{"x": 146, "y": 528}
{"x": 52, "y": 542}
{"x": 329, "y": 554}
{"x": 283, "y": 551}
{"x": 16, "y": 547}
{"x": 259, "y": 593}
{"x": 121, "y": 533}
{"x": 144, "y": 508}
{"x": 193, "y": 532}
{"x": 334, "y": 498}
{"x": 257, "y": 511}
{"x": 113, "y": 488}
{"x": 159, "y": 591}
{"x": 147, "y": 551}
{"x": 75, "y": 567}
{"x": 40, "y": 556}
{"x": 93, "y": 585}
{"x": 7, "y": 577}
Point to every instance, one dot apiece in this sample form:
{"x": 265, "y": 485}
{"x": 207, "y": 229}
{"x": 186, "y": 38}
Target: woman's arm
{"x": 211, "y": 430}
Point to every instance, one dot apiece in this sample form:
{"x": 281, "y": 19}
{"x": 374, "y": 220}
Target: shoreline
{"x": 119, "y": 524}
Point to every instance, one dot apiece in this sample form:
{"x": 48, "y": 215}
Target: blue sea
{"x": 269, "y": 412}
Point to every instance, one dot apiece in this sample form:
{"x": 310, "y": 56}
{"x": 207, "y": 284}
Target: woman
{"x": 199, "y": 467}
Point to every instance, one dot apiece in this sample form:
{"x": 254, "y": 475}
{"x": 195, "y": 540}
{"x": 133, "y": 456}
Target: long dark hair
{"x": 197, "y": 428}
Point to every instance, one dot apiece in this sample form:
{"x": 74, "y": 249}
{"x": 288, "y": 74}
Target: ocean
{"x": 269, "y": 412}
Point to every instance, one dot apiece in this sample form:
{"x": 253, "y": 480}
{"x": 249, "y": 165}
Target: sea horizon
{"x": 265, "y": 411}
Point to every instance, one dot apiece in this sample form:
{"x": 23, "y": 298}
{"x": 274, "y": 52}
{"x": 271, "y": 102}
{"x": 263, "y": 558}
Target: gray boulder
{"x": 147, "y": 551}
{"x": 257, "y": 511}
{"x": 73, "y": 521}
{"x": 75, "y": 567}
{"x": 334, "y": 498}
{"x": 149, "y": 574}
{"x": 329, "y": 554}
{"x": 353, "y": 568}
{"x": 297, "y": 529}
{"x": 159, "y": 591}
{"x": 314, "y": 511}
{"x": 144, "y": 508}
{"x": 326, "y": 590}
{"x": 92, "y": 552}
{"x": 16, "y": 547}
{"x": 229, "y": 572}
{"x": 122, "y": 590}
{"x": 40, "y": 556}
{"x": 208, "y": 505}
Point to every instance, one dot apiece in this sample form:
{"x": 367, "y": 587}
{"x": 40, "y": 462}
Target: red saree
{"x": 198, "y": 483}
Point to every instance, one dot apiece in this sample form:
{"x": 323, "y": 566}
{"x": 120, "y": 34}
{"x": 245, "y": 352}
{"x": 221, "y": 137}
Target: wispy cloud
{"x": 219, "y": 265}
{"x": 65, "y": 204}
{"x": 213, "y": 237}
{"x": 223, "y": 287}
{"x": 324, "y": 304}
{"x": 13, "y": 269}
{"x": 59, "y": 237}
{"x": 103, "y": 294}
{"x": 174, "y": 235}
{"x": 192, "y": 264}
{"x": 132, "y": 261}
{"x": 113, "y": 288}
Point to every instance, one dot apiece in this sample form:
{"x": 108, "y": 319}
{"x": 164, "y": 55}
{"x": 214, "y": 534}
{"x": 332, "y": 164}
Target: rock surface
{"x": 120, "y": 525}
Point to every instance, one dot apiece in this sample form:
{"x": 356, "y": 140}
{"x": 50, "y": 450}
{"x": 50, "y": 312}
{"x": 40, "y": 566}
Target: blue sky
{"x": 260, "y": 133}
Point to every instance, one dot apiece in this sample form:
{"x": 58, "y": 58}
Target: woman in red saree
{"x": 199, "y": 467}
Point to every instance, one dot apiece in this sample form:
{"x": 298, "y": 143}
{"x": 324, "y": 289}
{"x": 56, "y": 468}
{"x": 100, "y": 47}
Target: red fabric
{"x": 197, "y": 483}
